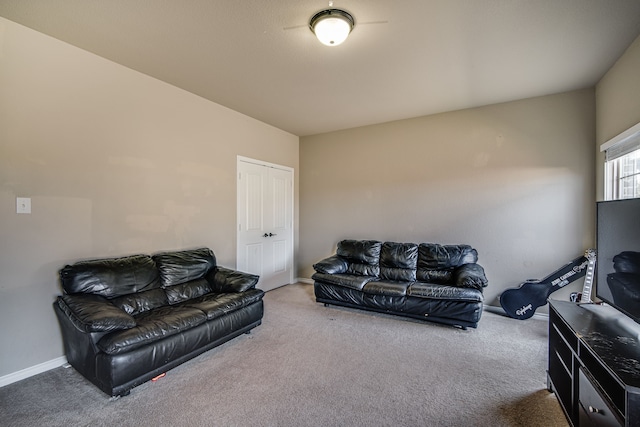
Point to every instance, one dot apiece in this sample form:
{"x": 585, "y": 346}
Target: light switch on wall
{"x": 23, "y": 205}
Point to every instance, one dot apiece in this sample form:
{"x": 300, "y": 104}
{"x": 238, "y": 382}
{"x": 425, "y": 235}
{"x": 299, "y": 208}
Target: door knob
{"x": 272, "y": 234}
{"x": 265, "y": 235}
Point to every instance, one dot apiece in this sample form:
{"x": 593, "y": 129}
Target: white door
{"x": 265, "y": 222}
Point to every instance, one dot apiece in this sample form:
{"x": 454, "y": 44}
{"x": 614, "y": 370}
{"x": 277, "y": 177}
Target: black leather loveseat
{"x": 127, "y": 320}
{"x": 439, "y": 283}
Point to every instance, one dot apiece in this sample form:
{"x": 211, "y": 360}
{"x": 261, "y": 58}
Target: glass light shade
{"x": 332, "y": 31}
{"x": 332, "y": 26}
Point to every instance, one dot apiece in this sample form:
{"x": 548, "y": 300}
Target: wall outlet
{"x": 23, "y": 205}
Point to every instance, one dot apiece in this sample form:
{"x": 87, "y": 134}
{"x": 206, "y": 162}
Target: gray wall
{"x": 514, "y": 180}
{"x": 115, "y": 163}
{"x": 617, "y": 104}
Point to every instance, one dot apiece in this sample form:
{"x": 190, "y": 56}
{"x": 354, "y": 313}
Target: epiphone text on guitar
{"x": 524, "y": 309}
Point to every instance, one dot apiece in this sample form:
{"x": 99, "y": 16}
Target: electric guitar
{"x": 522, "y": 302}
{"x": 585, "y": 296}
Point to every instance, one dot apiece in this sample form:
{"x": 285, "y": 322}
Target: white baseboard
{"x": 33, "y": 370}
{"x": 303, "y": 280}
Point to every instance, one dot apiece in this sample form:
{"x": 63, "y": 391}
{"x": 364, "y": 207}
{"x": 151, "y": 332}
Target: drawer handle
{"x": 595, "y": 410}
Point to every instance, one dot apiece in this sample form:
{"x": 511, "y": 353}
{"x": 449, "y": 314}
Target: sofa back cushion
{"x": 183, "y": 266}
{"x": 189, "y": 290}
{"x": 112, "y": 277}
{"x": 398, "y": 261}
{"x": 436, "y": 262}
{"x": 363, "y": 256}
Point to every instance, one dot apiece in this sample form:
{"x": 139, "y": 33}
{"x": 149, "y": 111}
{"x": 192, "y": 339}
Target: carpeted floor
{"x": 310, "y": 365}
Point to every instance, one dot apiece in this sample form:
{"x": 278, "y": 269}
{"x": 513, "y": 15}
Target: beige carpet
{"x": 310, "y": 365}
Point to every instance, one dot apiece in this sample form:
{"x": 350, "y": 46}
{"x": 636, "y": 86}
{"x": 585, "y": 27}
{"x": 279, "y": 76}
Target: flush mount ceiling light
{"x": 332, "y": 26}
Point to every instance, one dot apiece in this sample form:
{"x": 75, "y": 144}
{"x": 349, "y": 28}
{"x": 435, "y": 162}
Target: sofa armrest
{"x": 470, "y": 276}
{"x": 226, "y": 280}
{"x": 332, "y": 265}
{"x": 94, "y": 313}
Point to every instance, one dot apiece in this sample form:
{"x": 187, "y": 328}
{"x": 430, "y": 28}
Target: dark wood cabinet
{"x": 594, "y": 364}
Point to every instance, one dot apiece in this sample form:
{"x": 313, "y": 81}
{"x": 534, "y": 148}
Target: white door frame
{"x": 291, "y": 236}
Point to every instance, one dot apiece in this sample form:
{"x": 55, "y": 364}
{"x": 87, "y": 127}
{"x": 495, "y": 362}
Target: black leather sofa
{"x": 438, "y": 283}
{"x": 127, "y": 320}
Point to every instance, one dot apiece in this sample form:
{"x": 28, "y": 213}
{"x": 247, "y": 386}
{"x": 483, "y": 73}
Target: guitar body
{"x": 522, "y": 302}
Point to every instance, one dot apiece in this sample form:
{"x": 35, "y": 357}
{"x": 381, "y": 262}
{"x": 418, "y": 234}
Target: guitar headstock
{"x": 590, "y": 254}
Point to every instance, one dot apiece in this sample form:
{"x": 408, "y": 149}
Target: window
{"x": 622, "y": 177}
{"x": 622, "y": 165}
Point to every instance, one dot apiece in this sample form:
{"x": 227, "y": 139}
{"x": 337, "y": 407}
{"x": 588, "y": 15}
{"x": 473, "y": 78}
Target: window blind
{"x": 625, "y": 143}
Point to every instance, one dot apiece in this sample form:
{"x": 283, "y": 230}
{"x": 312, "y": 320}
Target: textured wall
{"x": 115, "y": 163}
{"x": 514, "y": 180}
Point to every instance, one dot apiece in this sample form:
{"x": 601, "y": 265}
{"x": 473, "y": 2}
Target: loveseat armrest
{"x": 226, "y": 280}
{"x": 333, "y": 265}
{"x": 94, "y": 313}
{"x": 470, "y": 276}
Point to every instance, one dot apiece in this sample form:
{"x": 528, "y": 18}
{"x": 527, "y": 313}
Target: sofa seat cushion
{"x": 435, "y": 291}
{"x": 387, "y": 287}
{"x": 352, "y": 281}
{"x": 152, "y": 326}
{"x": 217, "y": 305}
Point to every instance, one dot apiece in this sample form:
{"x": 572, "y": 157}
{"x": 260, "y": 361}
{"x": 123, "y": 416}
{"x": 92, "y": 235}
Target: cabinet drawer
{"x": 594, "y": 410}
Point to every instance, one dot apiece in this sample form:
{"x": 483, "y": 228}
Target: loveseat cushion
{"x": 94, "y": 313}
{"x": 436, "y": 262}
{"x": 363, "y": 256}
{"x": 352, "y": 281}
{"x": 111, "y": 277}
{"x": 216, "y": 305}
{"x": 470, "y": 276}
{"x": 186, "y": 291}
{"x": 332, "y": 265}
{"x": 224, "y": 280}
{"x": 182, "y": 266}
{"x": 398, "y": 261}
{"x": 140, "y": 302}
{"x": 152, "y": 326}
{"x": 444, "y": 292}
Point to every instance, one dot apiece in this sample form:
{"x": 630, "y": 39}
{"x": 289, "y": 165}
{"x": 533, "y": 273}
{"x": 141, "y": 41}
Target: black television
{"x": 618, "y": 255}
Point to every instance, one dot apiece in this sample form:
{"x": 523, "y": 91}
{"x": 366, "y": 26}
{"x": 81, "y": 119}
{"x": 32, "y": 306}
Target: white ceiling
{"x": 430, "y": 56}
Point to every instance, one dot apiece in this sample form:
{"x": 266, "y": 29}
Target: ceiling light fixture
{"x": 332, "y": 26}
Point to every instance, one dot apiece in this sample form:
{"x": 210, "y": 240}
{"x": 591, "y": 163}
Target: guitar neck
{"x": 588, "y": 280}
